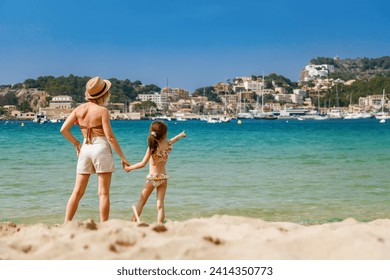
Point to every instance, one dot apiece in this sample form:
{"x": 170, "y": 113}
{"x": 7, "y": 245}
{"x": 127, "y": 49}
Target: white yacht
{"x": 40, "y": 118}
{"x": 243, "y": 115}
{"x": 335, "y": 114}
{"x": 162, "y": 118}
{"x": 382, "y": 116}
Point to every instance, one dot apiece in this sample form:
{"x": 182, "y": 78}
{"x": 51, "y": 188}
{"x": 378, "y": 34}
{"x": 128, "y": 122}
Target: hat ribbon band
{"x": 105, "y": 85}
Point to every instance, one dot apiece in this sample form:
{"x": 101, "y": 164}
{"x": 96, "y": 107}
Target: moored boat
{"x": 40, "y": 118}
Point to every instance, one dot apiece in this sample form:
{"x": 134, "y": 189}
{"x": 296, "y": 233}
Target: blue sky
{"x": 189, "y": 43}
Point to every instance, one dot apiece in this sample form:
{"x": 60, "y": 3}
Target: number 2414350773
{"x": 241, "y": 270}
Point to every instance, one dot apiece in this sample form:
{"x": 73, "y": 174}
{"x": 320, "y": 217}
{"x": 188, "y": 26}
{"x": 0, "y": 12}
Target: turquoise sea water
{"x": 297, "y": 171}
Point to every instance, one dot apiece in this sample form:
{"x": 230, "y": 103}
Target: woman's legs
{"x": 77, "y": 194}
{"x": 104, "y": 181}
{"x": 145, "y": 193}
{"x": 161, "y": 190}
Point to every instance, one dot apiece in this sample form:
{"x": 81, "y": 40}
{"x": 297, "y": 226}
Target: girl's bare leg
{"x": 145, "y": 193}
{"x": 78, "y": 192}
{"x": 161, "y": 190}
{"x": 104, "y": 180}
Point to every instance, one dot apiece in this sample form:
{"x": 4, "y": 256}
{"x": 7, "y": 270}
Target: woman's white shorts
{"x": 95, "y": 157}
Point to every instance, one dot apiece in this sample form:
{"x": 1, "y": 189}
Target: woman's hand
{"x": 125, "y": 163}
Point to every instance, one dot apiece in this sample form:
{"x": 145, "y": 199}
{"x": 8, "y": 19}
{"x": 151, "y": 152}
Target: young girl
{"x": 157, "y": 156}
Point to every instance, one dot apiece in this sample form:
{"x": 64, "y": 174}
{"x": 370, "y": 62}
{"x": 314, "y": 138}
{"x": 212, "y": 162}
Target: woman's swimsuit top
{"x": 161, "y": 154}
{"x": 90, "y": 132}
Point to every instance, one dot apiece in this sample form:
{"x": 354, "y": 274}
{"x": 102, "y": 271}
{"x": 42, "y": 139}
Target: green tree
{"x": 208, "y": 92}
{"x": 148, "y": 89}
{"x": 274, "y": 79}
{"x": 25, "y": 107}
{"x": 8, "y": 99}
{"x": 146, "y": 106}
{"x": 322, "y": 60}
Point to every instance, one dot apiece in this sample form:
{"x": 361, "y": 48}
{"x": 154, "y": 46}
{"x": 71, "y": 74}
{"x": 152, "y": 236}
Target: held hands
{"x": 125, "y": 163}
{"x": 127, "y": 168}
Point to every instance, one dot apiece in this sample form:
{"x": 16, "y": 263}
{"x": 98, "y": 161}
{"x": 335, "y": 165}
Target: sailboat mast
{"x": 383, "y": 102}
{"x": 350, "y": 99}
{"x": 240, "y": 102}
{"x": 262, "y": 96}
{"x": 318, "y": 102}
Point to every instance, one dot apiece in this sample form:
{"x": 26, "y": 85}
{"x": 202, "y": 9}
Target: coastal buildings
{"x": 240, "y": 99}
{"x": 371, "y": 101}
{"x": 59, "y": 107}
{"x": 316, "y": 90}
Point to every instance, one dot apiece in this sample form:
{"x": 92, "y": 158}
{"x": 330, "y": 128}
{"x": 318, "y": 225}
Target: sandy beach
{"x": 215, "y": 238}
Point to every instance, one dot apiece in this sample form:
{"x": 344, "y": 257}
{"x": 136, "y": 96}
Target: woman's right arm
{"x": 65, "y": 130}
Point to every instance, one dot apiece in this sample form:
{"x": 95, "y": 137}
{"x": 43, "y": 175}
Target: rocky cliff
{"x": 35, "y": 98}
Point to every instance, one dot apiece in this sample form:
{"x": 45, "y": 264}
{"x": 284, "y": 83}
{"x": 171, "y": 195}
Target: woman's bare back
{"x": 89, "y": 117}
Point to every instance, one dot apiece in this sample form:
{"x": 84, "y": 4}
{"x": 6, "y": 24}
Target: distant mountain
{"x": 357, "y": 68}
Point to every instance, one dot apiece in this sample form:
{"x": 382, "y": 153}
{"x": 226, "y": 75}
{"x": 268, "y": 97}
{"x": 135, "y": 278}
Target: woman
{"x": 94, "y": 155}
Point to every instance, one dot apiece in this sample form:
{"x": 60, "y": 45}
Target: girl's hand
{"x": 183, "y": 134}
{"x": 127, "y": 168}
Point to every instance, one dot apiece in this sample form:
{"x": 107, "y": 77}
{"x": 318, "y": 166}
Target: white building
{"x": 61, "y": 102}
{"x": 253, "y": 85}
{"x": 312, "y": 71}
{"x": 161, "y": 100}
{"x": 246, "y": 83}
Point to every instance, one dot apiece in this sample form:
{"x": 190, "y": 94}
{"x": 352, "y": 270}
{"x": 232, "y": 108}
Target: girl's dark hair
{"x": 158, "y": 130}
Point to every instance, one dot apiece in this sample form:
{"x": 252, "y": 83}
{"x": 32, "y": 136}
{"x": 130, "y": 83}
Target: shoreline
{"x": 219, "y": 237}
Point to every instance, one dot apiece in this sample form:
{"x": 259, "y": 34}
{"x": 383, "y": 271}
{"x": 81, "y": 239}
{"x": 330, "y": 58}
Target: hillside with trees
{"x": 74, "y": 86}
{"x": 370, "y": 75}
{"x": 358, "y": 68}
{"x": 362, "y": 88}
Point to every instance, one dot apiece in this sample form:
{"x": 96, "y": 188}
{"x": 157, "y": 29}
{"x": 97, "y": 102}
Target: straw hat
{"x": 96, "y": 87}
